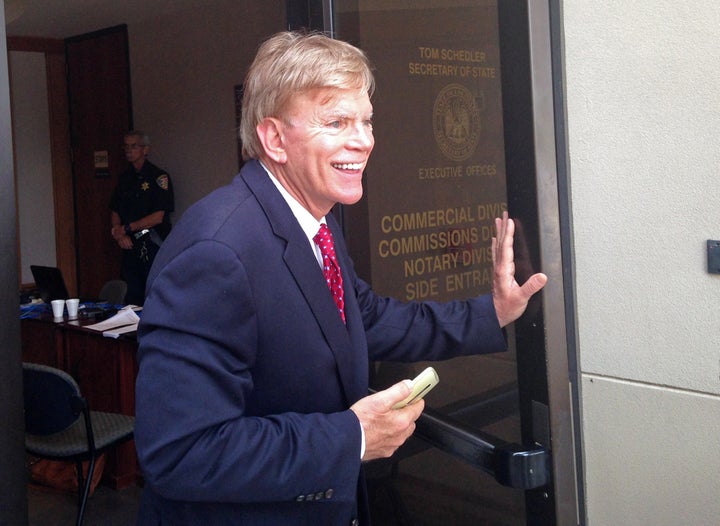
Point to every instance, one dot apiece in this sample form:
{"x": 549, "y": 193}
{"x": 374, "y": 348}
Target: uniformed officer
{"x": 141, "y": 206}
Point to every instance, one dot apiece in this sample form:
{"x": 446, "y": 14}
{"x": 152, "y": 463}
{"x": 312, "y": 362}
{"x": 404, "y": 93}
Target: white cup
{"x": 72, "y": 307}
{"x": 58, "y": 308}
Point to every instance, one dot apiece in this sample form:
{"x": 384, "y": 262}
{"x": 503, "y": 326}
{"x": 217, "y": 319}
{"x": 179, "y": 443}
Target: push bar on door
{"x": 512, "y": 465}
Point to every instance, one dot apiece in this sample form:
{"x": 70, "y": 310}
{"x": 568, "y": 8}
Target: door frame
{"x": 552, "y": 173}
{"x": 12, "y": 441}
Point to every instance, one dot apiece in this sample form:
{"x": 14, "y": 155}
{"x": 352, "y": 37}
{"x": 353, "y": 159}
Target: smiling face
{"x": 320, "y": 146}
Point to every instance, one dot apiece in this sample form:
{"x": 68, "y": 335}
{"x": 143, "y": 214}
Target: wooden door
{"x": 100, "y": 113}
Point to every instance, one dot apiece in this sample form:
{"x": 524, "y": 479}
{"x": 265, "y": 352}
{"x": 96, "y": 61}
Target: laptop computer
{"x": 49, "y": 282}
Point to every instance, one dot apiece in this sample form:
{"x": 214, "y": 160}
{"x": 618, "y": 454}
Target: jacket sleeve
{"x": 195, "y": 442}
{"x": 417, "y": 331}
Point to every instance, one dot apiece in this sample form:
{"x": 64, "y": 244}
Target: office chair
{"x": 113, "y": 292}
{"x": 60, "y": 426}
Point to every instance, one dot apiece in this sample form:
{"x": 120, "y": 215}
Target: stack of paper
{"x": 124, "y": 321}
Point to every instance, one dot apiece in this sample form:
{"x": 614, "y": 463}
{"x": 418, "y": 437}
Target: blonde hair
{"x": 292, "y": 62}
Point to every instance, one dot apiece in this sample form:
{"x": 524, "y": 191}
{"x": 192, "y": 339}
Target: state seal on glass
{"x": 456, "y": 122}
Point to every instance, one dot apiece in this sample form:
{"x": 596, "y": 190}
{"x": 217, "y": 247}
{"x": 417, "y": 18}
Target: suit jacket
{"x": 246, "y": 371}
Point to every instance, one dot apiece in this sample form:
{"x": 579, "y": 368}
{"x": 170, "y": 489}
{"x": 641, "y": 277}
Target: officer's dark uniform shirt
{"x": 141, "y": 193}
{"x": 137, "y": 195}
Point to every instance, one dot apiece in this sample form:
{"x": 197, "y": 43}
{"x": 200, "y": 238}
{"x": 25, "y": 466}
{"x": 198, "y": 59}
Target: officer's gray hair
{"x": 144, "y": 137}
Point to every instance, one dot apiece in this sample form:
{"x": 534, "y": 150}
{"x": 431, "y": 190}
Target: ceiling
{"x": 67, "y": 18}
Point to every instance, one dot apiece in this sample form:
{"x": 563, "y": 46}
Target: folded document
{"x": 126, "y": 320}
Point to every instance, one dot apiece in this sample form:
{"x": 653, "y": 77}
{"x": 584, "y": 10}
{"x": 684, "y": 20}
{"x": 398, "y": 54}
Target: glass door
{"x": 455, "y": 147}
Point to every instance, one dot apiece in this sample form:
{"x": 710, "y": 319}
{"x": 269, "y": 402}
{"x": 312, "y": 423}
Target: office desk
{"x": 104, "y": 368}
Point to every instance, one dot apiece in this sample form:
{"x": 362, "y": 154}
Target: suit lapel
{"x": 353, "y": 317}
{"x": 303, "y": 266}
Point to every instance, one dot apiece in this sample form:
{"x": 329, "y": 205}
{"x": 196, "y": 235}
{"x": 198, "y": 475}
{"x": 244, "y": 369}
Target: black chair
{"x": 60, "y": 426}
{"x": 113, "y": 292}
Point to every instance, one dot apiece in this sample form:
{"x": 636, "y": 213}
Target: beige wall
{"x": 33, "y": 175}
{"x": 643, "y": 82}
{"x": 184, "y": 67}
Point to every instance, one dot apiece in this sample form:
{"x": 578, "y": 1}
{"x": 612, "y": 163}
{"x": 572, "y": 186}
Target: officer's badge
{"x": 145, "y": 186}
{"x": 163, "y": 181}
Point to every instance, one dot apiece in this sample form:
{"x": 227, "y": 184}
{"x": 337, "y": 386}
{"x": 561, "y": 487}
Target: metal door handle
{"x": 512, "y": 465}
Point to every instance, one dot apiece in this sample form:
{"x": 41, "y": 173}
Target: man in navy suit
{"x": 252, "y": 391}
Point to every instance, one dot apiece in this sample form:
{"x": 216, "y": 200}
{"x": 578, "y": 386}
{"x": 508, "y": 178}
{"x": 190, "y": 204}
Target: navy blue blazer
{"x": 246, "y": 371}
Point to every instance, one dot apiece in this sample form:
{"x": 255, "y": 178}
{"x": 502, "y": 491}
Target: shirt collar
{"x": 307, "y": 222}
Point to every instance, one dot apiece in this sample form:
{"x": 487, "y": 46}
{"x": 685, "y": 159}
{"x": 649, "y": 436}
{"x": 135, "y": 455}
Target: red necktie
{"x": 331, "y": 268}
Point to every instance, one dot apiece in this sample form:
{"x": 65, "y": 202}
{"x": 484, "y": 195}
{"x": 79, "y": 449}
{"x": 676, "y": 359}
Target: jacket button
{"x": 300, "y": 498}
{"x": 354, "y": 522}
{"x": 329, "y": 493}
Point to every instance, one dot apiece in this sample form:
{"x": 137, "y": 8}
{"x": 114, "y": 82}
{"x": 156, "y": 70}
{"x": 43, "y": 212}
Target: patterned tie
{"x": 331, "y": 268}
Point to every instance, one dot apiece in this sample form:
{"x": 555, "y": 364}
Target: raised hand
{"x": 509, "y": 297}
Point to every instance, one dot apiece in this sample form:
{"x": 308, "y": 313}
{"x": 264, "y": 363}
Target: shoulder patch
{"x": 163, "y": 181}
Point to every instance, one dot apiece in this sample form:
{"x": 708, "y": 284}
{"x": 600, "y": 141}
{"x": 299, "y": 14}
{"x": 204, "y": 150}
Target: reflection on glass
{"x": 434, "y": 185}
